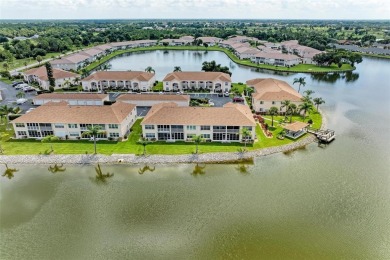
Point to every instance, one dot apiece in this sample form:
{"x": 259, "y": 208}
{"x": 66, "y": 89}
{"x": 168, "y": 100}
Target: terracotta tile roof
{"x": 120, "y": 75}
{"x": 273, "y": 90}
{"x": 161, "y": 97}
{"x": 247, "y": 50}
{"x": 197, "y": 76}
{"x": 296, "y": 126}
{"x": 82, "y": 96}
{"x": 71, "y": 59}
{"x": 171, "y": 114}
{"x": 209, "y": 39}
{"x": 274, "y": 55}
{"x": 61, "y": 112}
{"x": 41, "y": 73}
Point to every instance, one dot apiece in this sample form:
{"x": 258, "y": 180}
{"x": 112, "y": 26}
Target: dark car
{"x": 238, "y": 99}
{"x": 220, "y": 94}
{"x": 15, "y": 83}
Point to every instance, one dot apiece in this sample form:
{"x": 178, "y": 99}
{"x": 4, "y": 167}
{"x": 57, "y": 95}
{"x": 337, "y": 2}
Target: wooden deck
{"x": 325, "y": 136}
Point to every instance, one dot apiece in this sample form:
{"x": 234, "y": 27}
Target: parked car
{"x": 29, "y": 110}
{"x": 20, "y": 86}
{"x": 15, "y": 83}
{"x": 220, "y": 94}
{"x": 21, "y": 101}
{"x": 226, "y": 94}
{"x": 28, "y": 89}
{"x": 238, "y": 99}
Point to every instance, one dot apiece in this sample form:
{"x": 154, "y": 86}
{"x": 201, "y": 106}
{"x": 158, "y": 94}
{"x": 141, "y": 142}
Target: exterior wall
{"x": 272, "y": 61}
{"x": 123, "y": 128}
{"x": 81, "y": 102}
{"x": 169, "y": 85}
{"x": 197, "y": 131}
{"x": 142, "y": 85}
{"x": 266, "y": 105}
{"x": 67, "y": 66}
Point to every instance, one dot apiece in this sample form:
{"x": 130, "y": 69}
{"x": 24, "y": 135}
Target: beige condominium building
{"x": 124, "y": 80}
{"x": 271, "y": 92}
{"x": 69, "y": 122}
{"x": 168, "y": 121}
{"x": 197, "y": 80}
{"x": 84, "y": 99}
{"x": 148, "y": 100}
{"x": 39, "y": 75}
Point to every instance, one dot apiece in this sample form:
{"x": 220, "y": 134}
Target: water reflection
{"x": 198, "y": 170}
{"x": 333, "y": 77}
{"x": 146, "y": 168}
{"x": 9, "y": 172}
{"x": 242, "y": 168}
{"x": 100, "y": 176}
{"x": 56, "y": 168}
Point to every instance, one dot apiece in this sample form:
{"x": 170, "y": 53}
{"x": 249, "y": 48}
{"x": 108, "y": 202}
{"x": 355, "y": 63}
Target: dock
{"x": 325, "y": 136}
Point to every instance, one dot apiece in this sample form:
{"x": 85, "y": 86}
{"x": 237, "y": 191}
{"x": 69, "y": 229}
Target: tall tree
{"x": 52, "y": 81}
{"x": 245, "y": 133}
{"x": 308, "y": 93}
{"x": 318, "y": 101}
{"x": 292, "y": 108}
{"x": 6, "y": 111}
{"x": 213, "y": 66}
{"x": 5, "y": 66}
{"x": 301, "y": 81}
{"x": 94, "y": 131}
{"x": 197, "y": 139}
{"x": 49, "y": 139}
{"x": 305, "y": 107}
{"x": 20, "y": 94}
{"x": 285, "y": 104}
{"x": 273, "y": 111}
{"x": 39, "y": 59}
{"x": 144, "y": 143}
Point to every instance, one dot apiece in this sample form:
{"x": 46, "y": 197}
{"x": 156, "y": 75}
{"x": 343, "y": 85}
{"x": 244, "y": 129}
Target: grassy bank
{"x": 306, "y": 68}
{"x": 29, "y": 146}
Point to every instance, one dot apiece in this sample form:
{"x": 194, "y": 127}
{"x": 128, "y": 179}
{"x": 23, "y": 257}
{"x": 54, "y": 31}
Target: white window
{"x": 22, "y": 133}
{"x": 150, "y": 135}
{"x": 59, "y": 126}
{"x": 191, "y": 127}
{"x": 204, "y": 127}
{"x": 74, "y": 134}
{"x": 149, "y": 126}
{"x": 273, "y": 102}
{"x": 113, "y": 126}
{"x": 206, "y": 136}
{"x": 190, "y": 136}
{"x": 226, "y": 83}
{"x": 114, "y": 134}
{"x": 19, "y": 124}
{"x": 72, "y": 125}
{"x": 167, "y": 83}
{"x": 261, "y": 102}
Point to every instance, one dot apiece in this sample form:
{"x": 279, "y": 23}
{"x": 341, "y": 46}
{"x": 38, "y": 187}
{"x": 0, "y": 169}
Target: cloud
{"x": 256, "y": 9}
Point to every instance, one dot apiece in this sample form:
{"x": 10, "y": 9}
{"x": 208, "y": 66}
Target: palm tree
{"x": 285, "y": 104}
{"x": 106, "y": 66}
{"x": 150, "y": 69}
{"x": 20, "y": 94}
{"x": 6, "y": 111}
{"x": 100, "y": 176}
{"x": 144, "y": 143}
{"x": 198, "y": 169}
{"x": 273, "y": 111}
{"x": 176, "y": 69}
{"x": 308, "y": 93}
{"x": 291, "y": 110}
{"x": 318, "y": 101}
{"x": 93, "y": 131}
{"x": 56, "y": 168}
{"x": 301, "y": 81}
{"x": 245, "y": 133}
{"x": 67, "y": 83}
{"x": 197, "y": 139}
{"x": 145, "y": 169}
{"x": 9, "y": 172}
{"x": 48, "y": 139}
{"x": 305, "y": 107}
{"x": 76, "y": 81}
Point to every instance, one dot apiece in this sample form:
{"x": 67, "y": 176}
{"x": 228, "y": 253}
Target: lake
{"x": 329, "y": 202}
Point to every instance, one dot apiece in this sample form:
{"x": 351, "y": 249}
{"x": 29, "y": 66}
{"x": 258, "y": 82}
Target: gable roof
{"x": 171, "y": 114}
{"x": 61, "y": 112}
{"x": 120, "y": 75}
{"x": 271, "y": 89}
{"x": 41, "y": 73}
{"x": 197, "y": 75}
{"x": 159, "y": 97}
{"x": 91, "y": 96}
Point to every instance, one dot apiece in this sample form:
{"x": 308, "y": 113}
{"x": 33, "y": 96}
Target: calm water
{"x": 314, "y": 203}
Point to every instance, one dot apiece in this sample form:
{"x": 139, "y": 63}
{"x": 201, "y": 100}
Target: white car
{"x": 21, "y": 101}
{"x": 29, "y": 110}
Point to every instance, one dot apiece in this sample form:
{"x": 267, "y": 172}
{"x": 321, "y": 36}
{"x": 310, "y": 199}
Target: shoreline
{"x": 132, "y": 159}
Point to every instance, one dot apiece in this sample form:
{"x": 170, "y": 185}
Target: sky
{"x": 195, "y": 9}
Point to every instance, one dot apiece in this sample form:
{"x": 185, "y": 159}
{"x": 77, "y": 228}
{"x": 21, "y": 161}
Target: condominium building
{"x": 70, "y": 122}
{"x": 39, "y": 75}
{"x": 125, "y": 80}
{"x": 271, "y": 92}
{"x": 197, "y": 80}
{"x": 168, "y": 121}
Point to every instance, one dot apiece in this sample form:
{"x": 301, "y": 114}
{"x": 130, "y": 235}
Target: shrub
{"x": 310, "y": 121}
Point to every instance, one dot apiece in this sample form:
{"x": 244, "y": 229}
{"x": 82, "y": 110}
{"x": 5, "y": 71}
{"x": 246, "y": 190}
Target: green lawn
{"x": 158, "y": 87}
{"x": 309, "y": 68}
{"x": 238, "y": 87}
{"x": 28, "y": 146}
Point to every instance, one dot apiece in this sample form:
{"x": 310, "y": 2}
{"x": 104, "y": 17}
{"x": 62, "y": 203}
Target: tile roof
{"x": 274, "y": 55}
{"x": 209, "y": 39}
{"x": 197, "y": 75}
{"x": 171, "y": 114}
{"x": 273, "y": 90}
{"x": 71, "y": 59}
{"x": 41, "y": 73}
{"x": 82, "y": 96}
{"x": 296, "y": 126}
{"x": 61, "y": 112}
{"x": 120, "y": 75}
{"x": 161, "y": 97}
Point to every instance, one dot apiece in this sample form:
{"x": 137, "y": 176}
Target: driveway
{"x": 218, "y": 101}
{"x": 9, "y": 97}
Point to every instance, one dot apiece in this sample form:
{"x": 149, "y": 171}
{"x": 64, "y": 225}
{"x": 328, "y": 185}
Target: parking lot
{"x": 9, "y": 97}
